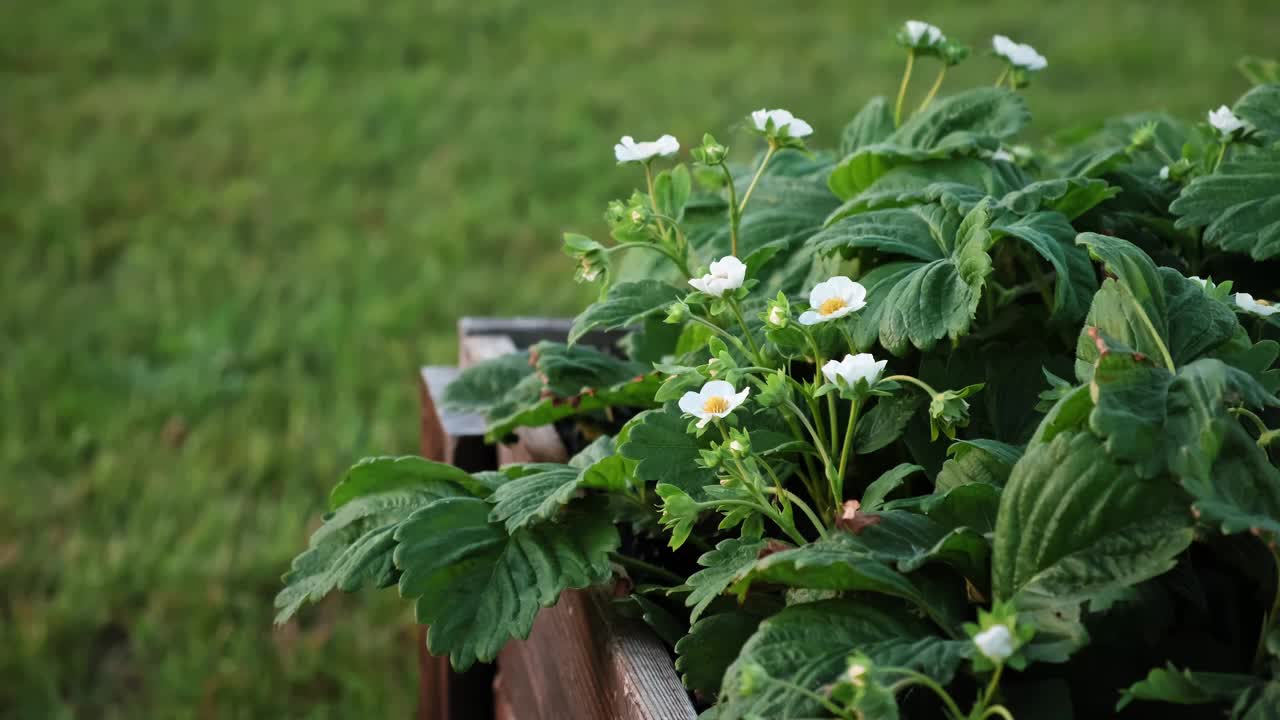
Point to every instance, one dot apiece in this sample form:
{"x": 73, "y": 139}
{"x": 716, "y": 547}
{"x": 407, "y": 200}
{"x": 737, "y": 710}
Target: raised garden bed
{"x": 583, "y": 660}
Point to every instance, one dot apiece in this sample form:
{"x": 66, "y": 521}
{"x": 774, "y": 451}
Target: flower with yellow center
{"x": 1264, "y": 308}
{"x": 833, "y": 299}
{"x": 715, "y": 400}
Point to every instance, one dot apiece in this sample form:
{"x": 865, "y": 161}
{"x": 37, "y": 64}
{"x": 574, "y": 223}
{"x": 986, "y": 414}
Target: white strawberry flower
{"x": 1199, "y": 280}
{"x": 1004, "y": 155}
{"x": 1019, "y": 55}
{"x": 833, "y": 299}
{"x": 1225, "y": 121}
{"x": 715, "y": 400}
{"x": 856, "y": 675}
{"x": 922, "y": 35}
{"x": 1264, "y": 308}
{"x": 1164, "y": 172}
{"x": 782, "y": 120}
{"x": 996, "y": 642}
{"x": 776, "y": 316}
{"x": 628, "y": 150}
{"x": 853, "y": 368}
{"x": 727, "y": 273}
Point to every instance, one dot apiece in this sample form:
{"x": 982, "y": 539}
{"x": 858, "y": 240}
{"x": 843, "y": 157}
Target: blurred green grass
{"x": 230, "y": 231}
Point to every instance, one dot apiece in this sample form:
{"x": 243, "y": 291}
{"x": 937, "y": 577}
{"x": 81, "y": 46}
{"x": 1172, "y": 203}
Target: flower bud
{"x": 710, "y": 152}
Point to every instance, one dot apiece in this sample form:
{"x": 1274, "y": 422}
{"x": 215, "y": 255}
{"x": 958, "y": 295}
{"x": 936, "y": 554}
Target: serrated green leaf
{"x": 665, "y": 452}
{"x": 1260, "y": 107}
{"x": 937, "y": 297}
{"x": 671, "y": 189}
{"x": 911, "y": 541}
{"x": 1051, "y": 236}
{"x": 534, "y": 497}
{"x": 1071, "y": 196}
{"x": 1073, "y": 522}
{"x": 1238, "y": 205}
{"x": 722, "y": 567}
{"x": 712, "y": 644}
{"x": 885, "y": 422}
{"x": 478, "y": 586}
{"x": 1184, "y": 687}
{"x": 873, "y": 123}
{"x": 977, "y": 461}
{"x": 967, "y": 123}
{"x": 807, "y": 646}
{"x": 892, "y": 479}
{"x": 626, "y": 303}
{"x": 353, "y": 549}
{"x": 1242, "y": 491}
{"x": 957, "y": 184}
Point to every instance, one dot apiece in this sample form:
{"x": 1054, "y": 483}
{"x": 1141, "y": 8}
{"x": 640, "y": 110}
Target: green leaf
{"x": 535, "y": 496}
{"x": 627, "y": 303}
{"x": 1184, "y": 687}
{"x": 1242, "y": 492}
{"x": 967, "y": 123}
{"x": 1261, "y": 108}
{"x": 1152, "y": 310}
{"x": 892, "y": 479}
{"x": 1238, "y": 205}
{"x": 912, "y": 541}
{"x": 478, "y": 586}
{"x": 873, "y": 123}
{"x": 1051, "y": 236}
{"x": 487, "y": 384}
{"x": 722, "y": 567}
{"x": 807, "y": 646}
{"x": 1073, "y": 523}
{"x": 939, "y": 296}
{"x": 1070, "y": 196}
{"x": 387, "y": 473}
{"x": 977, "y": 461}
{"x": 667, "y": 453}
{"x": 712, "y": 644}
{"x": 885, "y": 422}
{"x": 1130, "y": 409}
{"x": 671, "y": 189}
{"x": 957, "y": 184}
{"x": 353, "y": 549}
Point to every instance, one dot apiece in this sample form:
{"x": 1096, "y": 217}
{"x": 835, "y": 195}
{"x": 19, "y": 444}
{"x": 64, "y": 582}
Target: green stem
{"x": 679, "y": 262}
{"x": 746, "y": 196}
{"x": 847, "y": 450}
{"x": 915, "y": 678}
{"x": 991, "y": 690}
{"x": 804, "y": 507}
{"x": 721, "y": 331}
{"x": 818, "y": 443}
{"x": 933, "y": 91}
{"x": 653, "y": 199}
{"x": 733, "y": 210}
{"x": 641, "y": 566}
{"x": 737, "y": 312}
{"x": 902, "y": 88}
{"x": 914, "y": 381}
{"x": 830, "y": 706}
{"x": 1003, "y": 74}
{"x": 1257, "y": 421}
{"x": 1222, "y": 151}
{"x": 1000, "y": 710}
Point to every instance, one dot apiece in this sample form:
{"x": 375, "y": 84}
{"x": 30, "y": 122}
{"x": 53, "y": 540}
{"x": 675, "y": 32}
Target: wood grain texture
{"x": 584, "y": 662}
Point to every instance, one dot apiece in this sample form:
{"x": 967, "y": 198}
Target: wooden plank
{"x": 585, "y": 662}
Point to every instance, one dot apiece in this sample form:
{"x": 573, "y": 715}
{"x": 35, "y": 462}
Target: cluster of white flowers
{"x": 628, "y": 150}
{"x": 727, "y": 273}
{"x": 1225, "y": 121}
{"x": 783, "y": 120}
{"x": 1019, "y": 55}
{"x": 1245, "y": 302}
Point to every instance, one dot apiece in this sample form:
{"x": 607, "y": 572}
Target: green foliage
{"x": 1236, "y": 205}
{"x": 479, "y": 586}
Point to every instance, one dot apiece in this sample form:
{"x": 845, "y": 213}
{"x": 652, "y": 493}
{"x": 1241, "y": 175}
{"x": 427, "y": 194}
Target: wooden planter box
{"x": 582, "y": 660}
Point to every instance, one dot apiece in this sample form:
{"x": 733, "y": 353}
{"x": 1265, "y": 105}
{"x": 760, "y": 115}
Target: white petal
{"x": 731, "y": 269}
{"x": 717, "y": 388}
{"x": 691, "y": 402}
{"x": 1003, "y": 46}
{"x": 667, "y": 145}
{"x": 809, "y": 317}
{"x": 832, "y": 370}
{"x": 798, "y": 128}
{"x": 840, "y": 313}
{"x": 702, "y": 283}
{"x": 704, "y": 420}
{"x": 760, "y": 118}
{"x": 996, "y": 642}
{"x": 739, "y": 398}
{"x": 855, "y": 295}
{"x": 823, "y": 292}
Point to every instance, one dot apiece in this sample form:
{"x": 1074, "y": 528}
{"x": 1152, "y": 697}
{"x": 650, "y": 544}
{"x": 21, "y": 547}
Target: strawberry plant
{"x": 930, "y": 424}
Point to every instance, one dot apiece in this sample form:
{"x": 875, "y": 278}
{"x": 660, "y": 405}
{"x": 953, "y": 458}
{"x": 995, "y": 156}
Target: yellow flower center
{"x": 1264, "y": 303}
{"x": 831, "y": 305}
{"x": 715, "y": 405}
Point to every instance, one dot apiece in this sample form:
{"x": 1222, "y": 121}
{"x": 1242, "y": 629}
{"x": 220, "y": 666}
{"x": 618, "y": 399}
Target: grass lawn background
{"x": 229, "y": 232}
